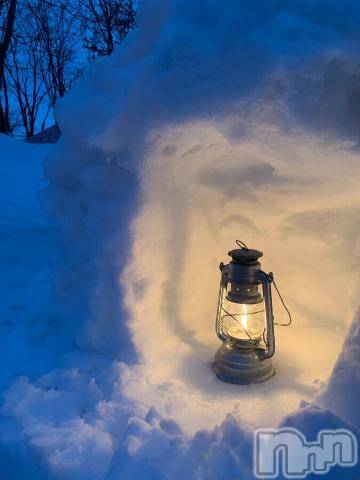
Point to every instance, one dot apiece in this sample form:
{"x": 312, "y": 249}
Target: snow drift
{"x": 212, "y": 122}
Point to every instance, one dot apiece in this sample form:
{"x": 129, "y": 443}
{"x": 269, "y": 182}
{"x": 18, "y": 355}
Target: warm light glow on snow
{"x": 295, "y": 199}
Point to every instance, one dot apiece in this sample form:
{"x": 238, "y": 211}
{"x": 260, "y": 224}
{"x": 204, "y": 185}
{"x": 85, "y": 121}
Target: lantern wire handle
{"x": 242, "y": 245}
{"x": 283, "y": 304}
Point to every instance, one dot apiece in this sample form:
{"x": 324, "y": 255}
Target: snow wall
{"x": 214, "y": 121}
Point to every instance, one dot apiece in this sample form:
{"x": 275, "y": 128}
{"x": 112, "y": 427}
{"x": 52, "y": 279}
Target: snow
{"x": 213, "y": 122}
{"x": 345, "y": 379}
{"x": 22, "y": 209}
{"x": 28, "y": 248}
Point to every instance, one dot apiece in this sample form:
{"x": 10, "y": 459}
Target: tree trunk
{"x": 4, "y": 47}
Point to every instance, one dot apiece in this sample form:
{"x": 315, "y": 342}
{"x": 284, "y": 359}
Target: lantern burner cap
{"x": 245, "y": 255}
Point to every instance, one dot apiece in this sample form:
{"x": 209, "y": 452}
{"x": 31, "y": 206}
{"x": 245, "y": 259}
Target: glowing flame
{"x": 244, "y": 317}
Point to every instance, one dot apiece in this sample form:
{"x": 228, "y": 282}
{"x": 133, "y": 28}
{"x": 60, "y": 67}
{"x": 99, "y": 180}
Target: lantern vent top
{"x": 245, "y": 256}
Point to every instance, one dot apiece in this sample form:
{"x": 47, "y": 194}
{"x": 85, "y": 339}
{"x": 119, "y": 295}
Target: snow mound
{"x": 21, "y": 177}
{"x": 213, "y": 122}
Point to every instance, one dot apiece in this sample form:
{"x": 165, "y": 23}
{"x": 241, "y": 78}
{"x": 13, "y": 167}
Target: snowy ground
{"x": 194, "y": 134}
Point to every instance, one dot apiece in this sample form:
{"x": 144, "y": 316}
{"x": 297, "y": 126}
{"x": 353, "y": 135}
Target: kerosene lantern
{"x": 245, "y": 320}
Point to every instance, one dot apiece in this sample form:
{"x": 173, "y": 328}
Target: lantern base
{"x": 238, "y": 365}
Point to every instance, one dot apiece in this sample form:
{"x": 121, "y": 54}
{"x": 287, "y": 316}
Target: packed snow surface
{"x": 214, "y": 121}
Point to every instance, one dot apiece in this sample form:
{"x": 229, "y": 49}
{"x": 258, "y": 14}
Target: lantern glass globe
{"x": 243, "y": 322}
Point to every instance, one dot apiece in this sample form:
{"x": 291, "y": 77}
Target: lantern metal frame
{"x": 238, "y": 360}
